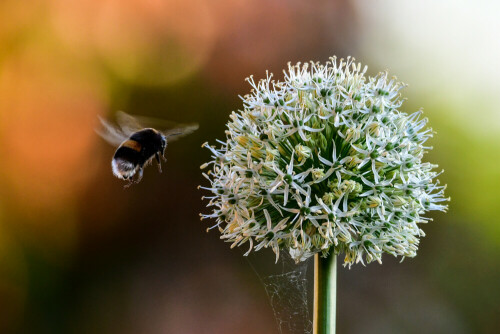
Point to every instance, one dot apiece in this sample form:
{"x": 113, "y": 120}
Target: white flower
{"x": 324, "y": 161}
{"x": 303, "y": 152}
{"x": 318, "y": 173}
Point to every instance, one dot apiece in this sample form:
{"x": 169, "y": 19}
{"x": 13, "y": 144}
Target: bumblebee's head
{"x": 163, "y": 144}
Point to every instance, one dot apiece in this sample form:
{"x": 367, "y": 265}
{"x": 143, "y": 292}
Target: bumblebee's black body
{"x": 136, "y": 151}
{"x": 150, "y": 142}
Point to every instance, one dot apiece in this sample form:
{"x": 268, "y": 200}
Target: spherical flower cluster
{"x": 324, "y": 161}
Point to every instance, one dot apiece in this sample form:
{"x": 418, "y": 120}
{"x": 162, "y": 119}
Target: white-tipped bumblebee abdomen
{"x": 123, "y": 169}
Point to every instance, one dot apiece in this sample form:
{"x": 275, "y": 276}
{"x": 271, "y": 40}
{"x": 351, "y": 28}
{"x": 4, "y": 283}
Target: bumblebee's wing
{"x": 180, "y": 131}
{"x": 130, "y": 124}
{"x": 134, "y": 123}
{"x": 111, "y": 133}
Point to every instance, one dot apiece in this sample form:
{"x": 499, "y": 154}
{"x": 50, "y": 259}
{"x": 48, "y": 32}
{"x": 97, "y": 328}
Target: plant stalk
{"x": 325, "y": 294}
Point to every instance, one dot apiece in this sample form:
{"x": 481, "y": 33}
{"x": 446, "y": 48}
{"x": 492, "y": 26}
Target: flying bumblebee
{"x": 138, "y": 144}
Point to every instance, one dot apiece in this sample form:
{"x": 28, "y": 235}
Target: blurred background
{"x": 80, "y": 254}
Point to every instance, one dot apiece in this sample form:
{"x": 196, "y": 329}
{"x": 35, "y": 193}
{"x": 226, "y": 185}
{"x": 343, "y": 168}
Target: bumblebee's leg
{"x": 130, "y": 182}
{"x": 157, "y": 156}
{"x": 139, "y": 175}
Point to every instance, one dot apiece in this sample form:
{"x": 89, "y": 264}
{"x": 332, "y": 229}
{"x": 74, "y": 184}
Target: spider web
{"x": 287, "y": 286}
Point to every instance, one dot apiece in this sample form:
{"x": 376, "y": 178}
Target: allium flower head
{"x": 324, "y": 161}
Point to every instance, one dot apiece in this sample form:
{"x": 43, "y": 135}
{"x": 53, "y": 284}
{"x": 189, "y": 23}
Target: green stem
{"x": 325, "y": 294}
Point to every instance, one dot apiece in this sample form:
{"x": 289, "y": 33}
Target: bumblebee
{"x": 138, "y": 145}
